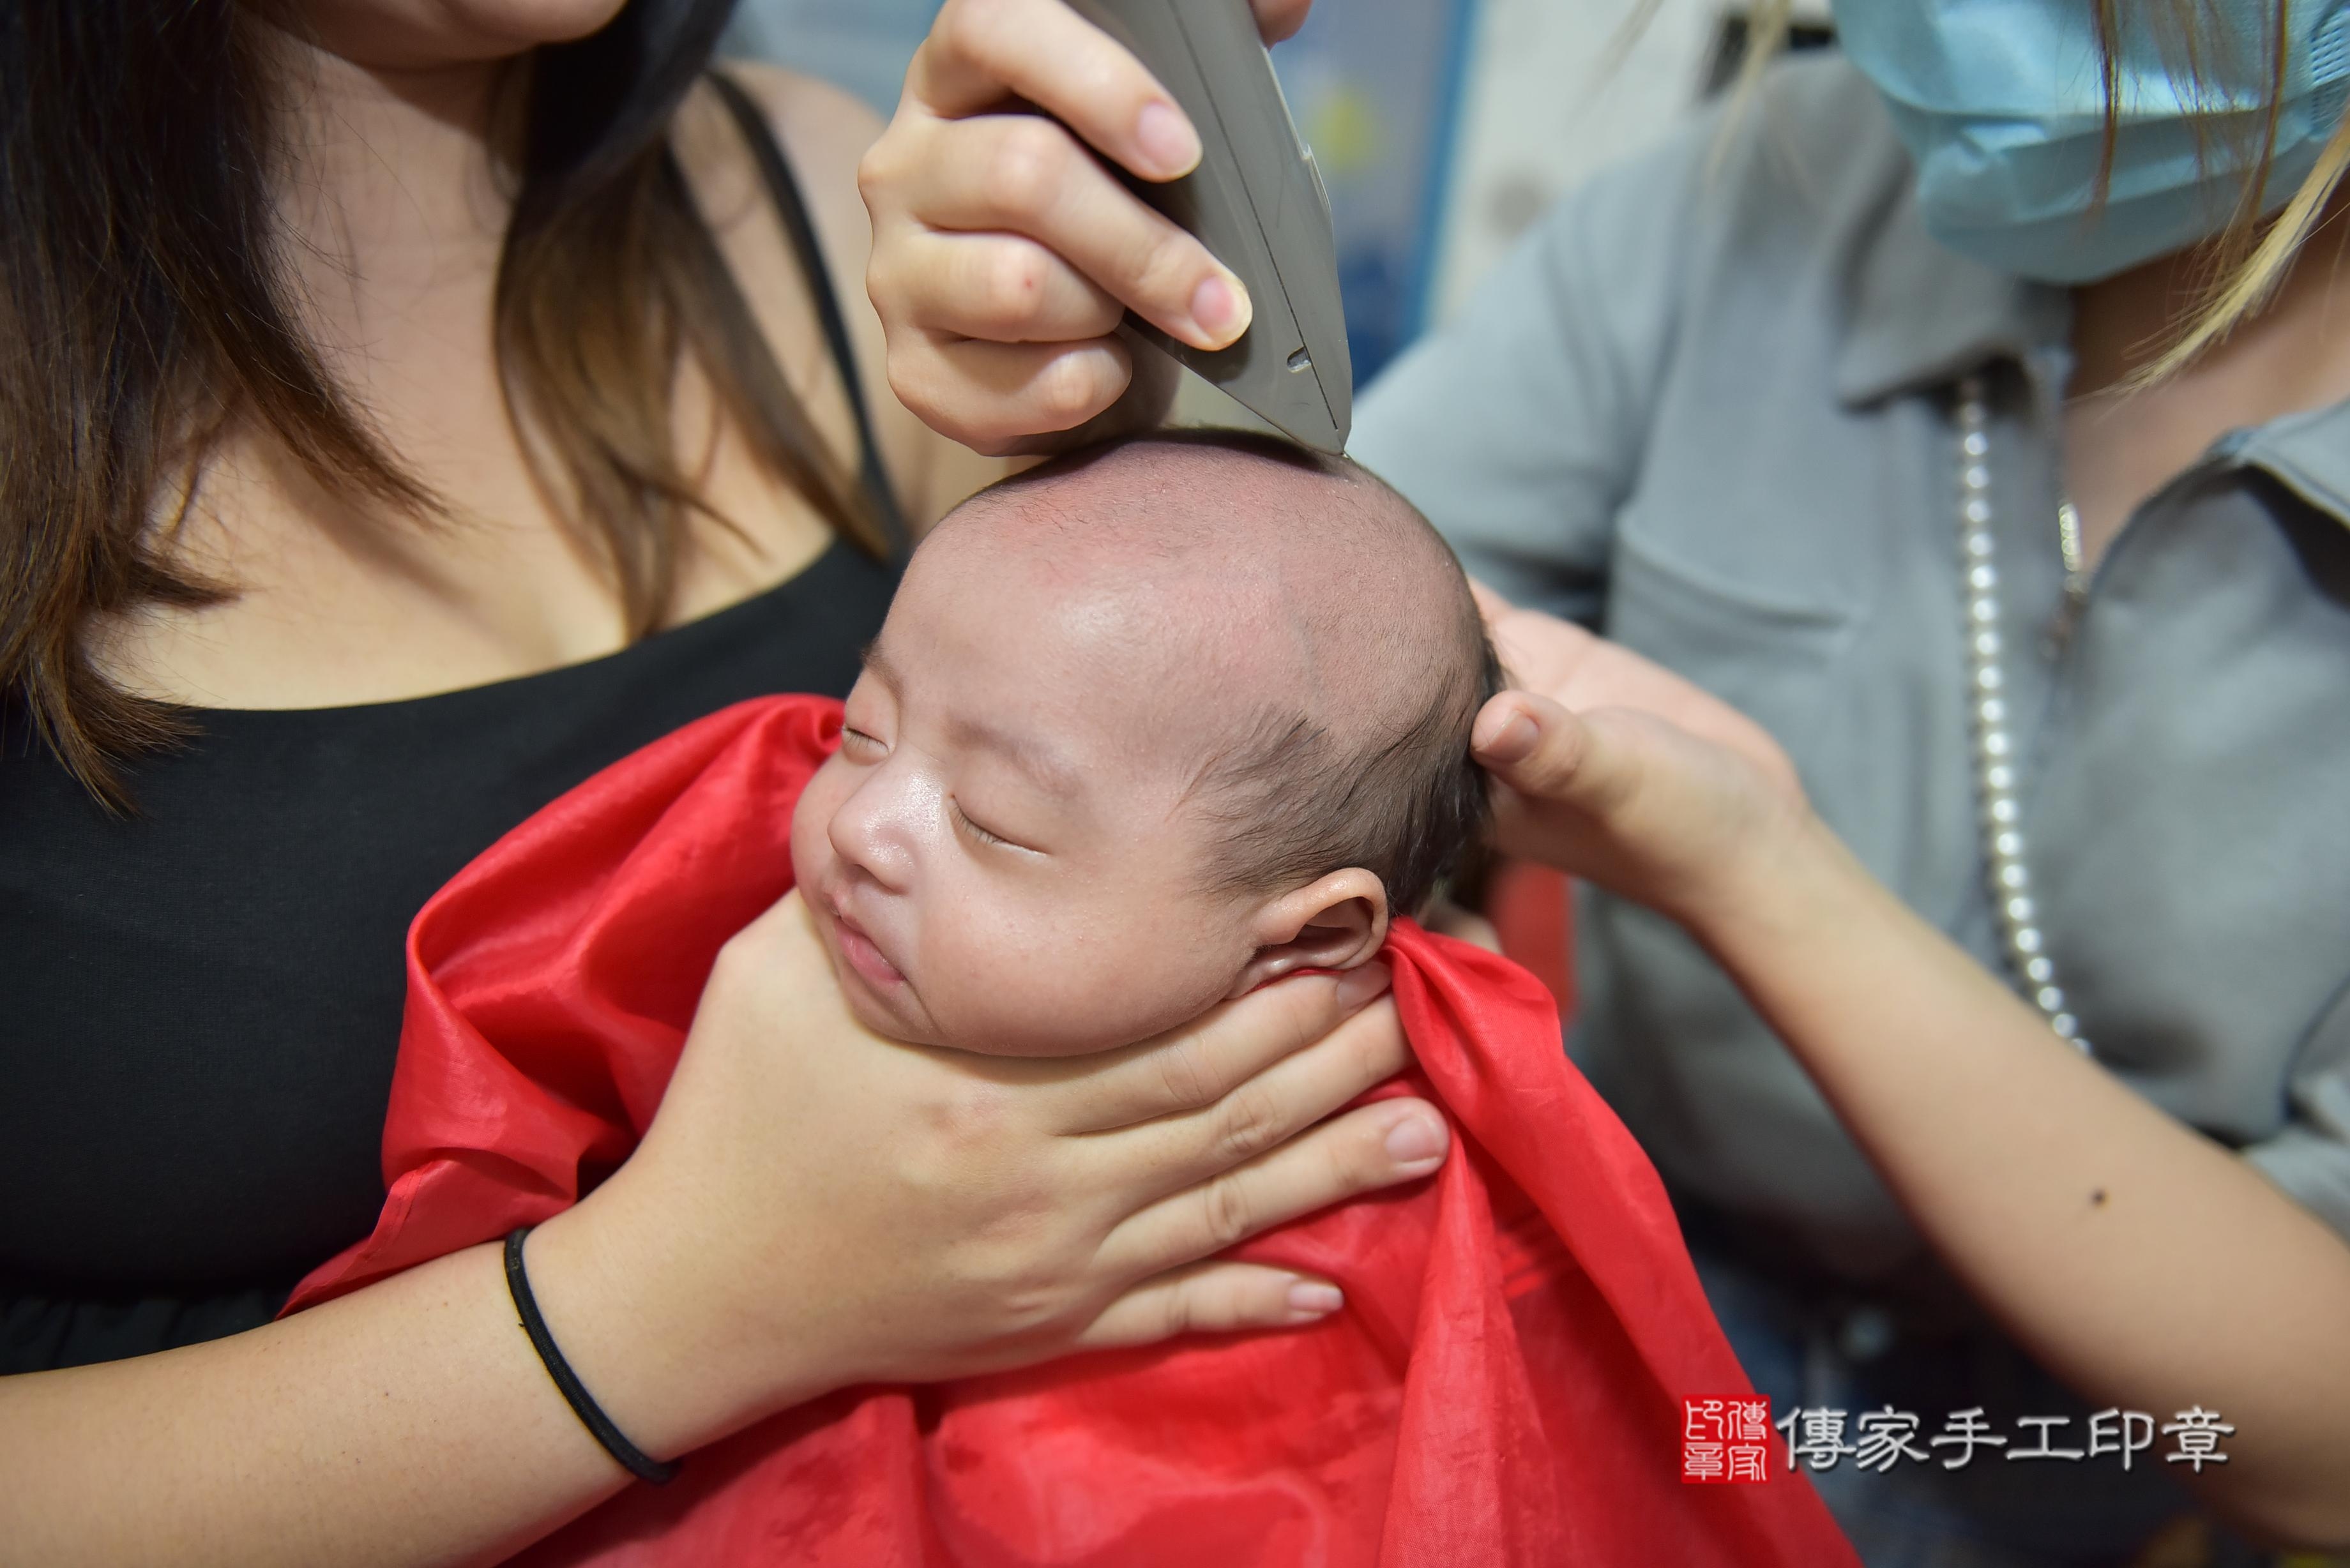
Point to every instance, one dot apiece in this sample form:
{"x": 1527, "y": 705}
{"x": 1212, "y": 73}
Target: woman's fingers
{"x": 1610, "y": 685}
{"x": 1369, "y": 1147}
{"x": 947, "y": 164}
{"x": 1491, "y": 604}
{"x": 1276, "y": 1104}
{"x": 1211, "y": 1298}
{"x": 993, "y": 397}
{"x": 1070, "y": 241}
{"x": 1021, "y": 174}
{"x": 1013, "y": 389}
{"x": 968, "y": 284}
{"x": 1448, "y": 919}
{"x": 981, "y": 54}
{"x": 1206, "y": 1062}
{"x": 1677, "y": 821}
{"x": 1545, "y": 752}
{"x": 1279, "y": 19}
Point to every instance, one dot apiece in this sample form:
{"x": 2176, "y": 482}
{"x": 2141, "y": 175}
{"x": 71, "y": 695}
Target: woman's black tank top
{"x": 199, "y": 1005}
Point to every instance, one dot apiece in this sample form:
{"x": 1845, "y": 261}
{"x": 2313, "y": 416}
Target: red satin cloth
{"x": 1502, "y": 1387}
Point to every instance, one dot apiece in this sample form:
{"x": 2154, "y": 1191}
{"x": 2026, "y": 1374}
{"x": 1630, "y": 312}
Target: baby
{"x": 1144, "y": 729}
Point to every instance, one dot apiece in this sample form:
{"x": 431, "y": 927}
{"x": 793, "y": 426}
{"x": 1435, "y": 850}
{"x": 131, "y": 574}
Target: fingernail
{"x": 1308, "y": 1300}
{"x": 1220, "y": 309}
{"x": 1167, "y": 141}
{"x": 1358, "y": 986}
{"x": 1415, "y": 1140}
{"x": 1510, "y": 740}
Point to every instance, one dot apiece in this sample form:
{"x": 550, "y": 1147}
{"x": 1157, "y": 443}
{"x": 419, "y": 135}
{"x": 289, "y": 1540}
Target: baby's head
{"x": 1145, "y": 728}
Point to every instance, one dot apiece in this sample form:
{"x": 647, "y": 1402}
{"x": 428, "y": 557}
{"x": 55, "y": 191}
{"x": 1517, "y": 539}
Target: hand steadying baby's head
{"x": 1145, "y": 728}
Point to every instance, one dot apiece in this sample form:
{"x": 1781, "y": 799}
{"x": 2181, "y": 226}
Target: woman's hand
{"x": 811, "y": 1207}
{"x": 1005, "y": 252}
{"x": 814, "y": 1206}
{"x": 1612, "y": 768}
{"x": 2107, "y": 1237}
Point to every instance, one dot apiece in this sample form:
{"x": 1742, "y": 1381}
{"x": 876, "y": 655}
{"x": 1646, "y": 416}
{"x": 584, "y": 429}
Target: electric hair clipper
{"x": 1256, "y": 201}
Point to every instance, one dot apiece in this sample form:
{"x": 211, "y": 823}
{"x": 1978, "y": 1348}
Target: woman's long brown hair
{"x": 145, "y": 304}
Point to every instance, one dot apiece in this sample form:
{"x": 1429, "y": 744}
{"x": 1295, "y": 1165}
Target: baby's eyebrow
{"x": 1044, "y": 763}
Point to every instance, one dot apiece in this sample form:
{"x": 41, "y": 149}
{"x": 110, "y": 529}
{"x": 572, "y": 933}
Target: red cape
{"x": 1503, "y": 1385}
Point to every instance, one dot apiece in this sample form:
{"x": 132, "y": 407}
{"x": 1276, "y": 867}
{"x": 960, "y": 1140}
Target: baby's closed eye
{"x": 985, "y": 835}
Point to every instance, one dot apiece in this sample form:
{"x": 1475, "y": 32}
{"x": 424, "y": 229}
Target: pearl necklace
{"x": 1994, "y": 747}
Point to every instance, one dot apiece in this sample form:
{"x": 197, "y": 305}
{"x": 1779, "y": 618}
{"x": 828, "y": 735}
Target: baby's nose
{"x": 875, "y": 830}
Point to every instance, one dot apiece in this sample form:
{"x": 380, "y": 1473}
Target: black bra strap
{"x": 775, "y": 171}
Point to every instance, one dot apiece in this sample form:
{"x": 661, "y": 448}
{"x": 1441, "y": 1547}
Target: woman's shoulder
{"x": 1805, "y": 168}
{"x": 1736, "y": 252}
{"x": 1763, "y": 217}
{"x": 824, "y": 130}
{"x": 823, "y": 133}
{"x": 1819, "y": 108}
{"x": 1814, "y": 156}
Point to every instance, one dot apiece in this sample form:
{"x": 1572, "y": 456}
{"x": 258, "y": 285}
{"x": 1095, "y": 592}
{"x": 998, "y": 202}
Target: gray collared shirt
{"x": 1713, "y": 417}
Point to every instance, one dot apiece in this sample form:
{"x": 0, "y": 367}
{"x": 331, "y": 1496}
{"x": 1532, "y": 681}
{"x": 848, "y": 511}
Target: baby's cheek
{"x": 1001, "y": 983}
{"x": 811, "y": 822}
{"x": 1085, "y": 991}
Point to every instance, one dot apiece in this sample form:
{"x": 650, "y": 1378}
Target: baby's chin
{"x": 901, "y": 1018}
{"x": 882, "y": 1020}
{"x": 1038, "y": 1028}
{"x": 910, "y": 1024}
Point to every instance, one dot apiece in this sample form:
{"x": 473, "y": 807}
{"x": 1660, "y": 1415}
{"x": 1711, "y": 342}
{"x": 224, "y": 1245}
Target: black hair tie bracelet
{"x": 634, "y": 1459}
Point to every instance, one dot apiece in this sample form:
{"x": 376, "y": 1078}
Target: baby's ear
{"x": 1337, "y": 922}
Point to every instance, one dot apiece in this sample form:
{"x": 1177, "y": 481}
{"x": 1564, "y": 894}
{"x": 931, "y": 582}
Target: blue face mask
{"x": 2003, "y": 105}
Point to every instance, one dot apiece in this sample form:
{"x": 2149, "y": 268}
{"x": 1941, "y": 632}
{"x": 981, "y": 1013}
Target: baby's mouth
{"x": 864, "y": 956}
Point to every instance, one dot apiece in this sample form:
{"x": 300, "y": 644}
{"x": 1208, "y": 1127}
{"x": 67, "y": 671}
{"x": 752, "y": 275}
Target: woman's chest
{"x": 205, "y": 999}
{"x": 2187, "y": 786}
{"x": 328, "y": 605}
{"x": 203, "y": 1003}
{"x": 2182, "y": 759}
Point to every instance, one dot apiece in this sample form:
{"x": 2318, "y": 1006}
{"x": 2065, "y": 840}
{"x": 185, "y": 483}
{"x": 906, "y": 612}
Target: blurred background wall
{"x": 1442, "y": 126}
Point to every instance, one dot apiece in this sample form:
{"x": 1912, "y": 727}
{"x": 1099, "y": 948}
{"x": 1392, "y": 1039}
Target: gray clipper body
{"x": 1256, "y": 201}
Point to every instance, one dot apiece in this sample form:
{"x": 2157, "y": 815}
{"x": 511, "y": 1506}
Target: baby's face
{"x": 1004, "y": 855}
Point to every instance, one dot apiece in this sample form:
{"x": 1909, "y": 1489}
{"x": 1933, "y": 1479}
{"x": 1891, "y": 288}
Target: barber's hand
{"x": 1614, "y": 769}
{"x": 1004, "y": 252}
{"x": 814, "y": 1207}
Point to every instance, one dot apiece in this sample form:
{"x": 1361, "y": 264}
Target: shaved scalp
{"x": 1308, "y": 611}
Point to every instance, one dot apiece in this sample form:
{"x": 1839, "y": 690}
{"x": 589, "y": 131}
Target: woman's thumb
{"x": 1531, "y": 744}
